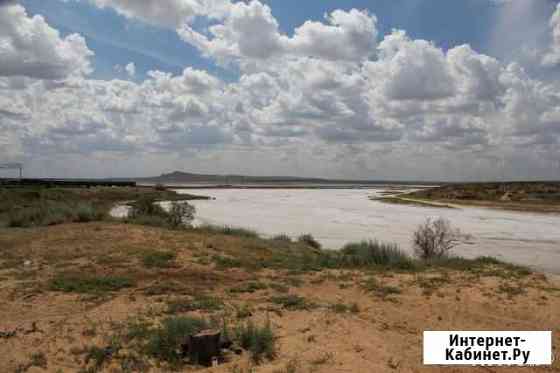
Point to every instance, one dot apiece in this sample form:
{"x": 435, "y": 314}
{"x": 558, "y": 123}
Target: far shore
{"x": 287, "y": 186}
{"x": 535, "y": 197}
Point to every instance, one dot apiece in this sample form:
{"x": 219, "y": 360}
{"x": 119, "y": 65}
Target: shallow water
{"x": 336, "y": 217}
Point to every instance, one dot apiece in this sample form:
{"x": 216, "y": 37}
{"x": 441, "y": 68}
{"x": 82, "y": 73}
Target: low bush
{"x": 99, "y": 356}
{"x": 158, "y": 259}
{"x": 344, "y": 308}
{"x": 23, "y": 218}
{"x": 146, "y": 206}
{"x": 165, "y": 342}
{"x": 282, "y": 238}
{"x": 146, "y": 211}
{"x": 198, "y": 303}
{"x": 375, "y": 253}
{"x": 180, "y": 214}
{"x": 78, "y": 283}
{"x": 292, "y": 302}
{"x": 435, "y": 239}
{"x": 259, "y": 341}
{"x": 383, "y": 291}
{"x": 309, "y": 240}
{"x": 149, "y": 220}
{"x": 249, "y": 287}
{"x": 52, "y": 213}
{"x": 86, "y": 213}
{"x": 227, "y": 262}
{"x": 229, "y": 231}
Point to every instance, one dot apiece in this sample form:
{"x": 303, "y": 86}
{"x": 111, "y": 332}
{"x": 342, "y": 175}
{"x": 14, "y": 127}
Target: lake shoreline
{"x": 336, "y": 217}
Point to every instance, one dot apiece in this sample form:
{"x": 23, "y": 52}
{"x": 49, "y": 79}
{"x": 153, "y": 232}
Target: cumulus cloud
{"x": 552, "y": 57}
{"x": 346, "y": 36}
{"x": 411, "y": 69}
{"x": 333, "y": 93}
{"x": 30, "y": 47}
{"x": 130, "y": 69}
{"x": 170, "y": 13}
{"x": 249, "y": 31}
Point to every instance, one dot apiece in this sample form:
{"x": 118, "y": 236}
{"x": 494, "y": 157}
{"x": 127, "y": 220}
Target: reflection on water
{"x": 336, "y": 217}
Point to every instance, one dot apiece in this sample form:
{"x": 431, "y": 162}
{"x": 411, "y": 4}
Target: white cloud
{"x": 347, "y": 36}
{"x": 30, "y": 47}
{"x": 249, "y": 34}
{"x": 169, "y": 13}
{"x": 331, "y": 94}
{"x": 552, "y": 57}
{"x": 130, "y": 69}
{"x": 411, "y": 69}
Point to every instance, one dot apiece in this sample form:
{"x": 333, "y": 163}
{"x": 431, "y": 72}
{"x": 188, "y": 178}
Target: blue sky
{"x": 117, "y": 40}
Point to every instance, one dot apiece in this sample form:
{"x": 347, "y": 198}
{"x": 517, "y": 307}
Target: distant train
{"x": 74, "y": 183}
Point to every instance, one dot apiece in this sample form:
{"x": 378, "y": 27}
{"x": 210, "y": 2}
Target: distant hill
{"x": 186, "y": 177}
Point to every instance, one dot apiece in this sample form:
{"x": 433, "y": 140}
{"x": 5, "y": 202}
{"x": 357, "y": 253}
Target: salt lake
{"x": 338, "y": 216}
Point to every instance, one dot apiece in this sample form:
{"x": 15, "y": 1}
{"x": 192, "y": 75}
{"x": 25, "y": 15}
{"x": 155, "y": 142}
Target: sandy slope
{"x": 385, "y": 335}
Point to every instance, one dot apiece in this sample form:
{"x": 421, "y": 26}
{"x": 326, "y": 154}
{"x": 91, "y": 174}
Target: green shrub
{"x": 146, "y": 206}
{"x": 87, "y": 213}
{"x": 77, "y": 283}
{"x": 180, "y": 214}
{"x": 229, "y": 231}
{"x": 259, "y": 341}
{"x": 281, "y": 288}
{"x": 52, "y": 213}
{"x": 249, "y": 287}
{"x": 165, "y": 342}
{"x": 148, "y": 220}
{"x": 309, "y": 240}
{"x": 146, "y": 211}
{"x": 243, "y": 311}
{"x": 292, "y": 302}
{"x": 383, "y": 291}
{"x": 138, "y": 330}
{"x": 99, "y": 356}
{"x": 158, "y": 259}
{"x": 226, "y": 262}
{"x": 482, "y": 265}
{"x": 198, "y": 303}
{"x": 39, "y": 359}
{"x": 23, "y": 218}
{"x": 370, "y": 253}
{"x": 57, "y": 214}
{"x": 339, "y": 308}
{"x": 282, "y": 238}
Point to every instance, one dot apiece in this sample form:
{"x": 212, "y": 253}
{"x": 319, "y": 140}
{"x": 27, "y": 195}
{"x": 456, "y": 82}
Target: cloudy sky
{"x": 368, "y": 89}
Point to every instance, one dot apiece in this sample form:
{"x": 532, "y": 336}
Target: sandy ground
{"x": 384, "y": 335}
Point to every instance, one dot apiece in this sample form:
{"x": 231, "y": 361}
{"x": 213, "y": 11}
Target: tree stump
{"x": 203, "y": 347}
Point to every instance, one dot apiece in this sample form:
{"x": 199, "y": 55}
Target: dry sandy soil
{"x": 383, "y": 333}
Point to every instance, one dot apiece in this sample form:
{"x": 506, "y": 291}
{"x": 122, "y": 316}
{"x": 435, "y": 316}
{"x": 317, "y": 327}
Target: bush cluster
{"x": 54, "y": 212}
{"x": 258, "y": 340}
{"x": 368, "y": 253}
{"x": 146, "y": 211}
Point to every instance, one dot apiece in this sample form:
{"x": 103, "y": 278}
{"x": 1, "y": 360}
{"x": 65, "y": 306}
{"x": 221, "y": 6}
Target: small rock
{"x": 27, "y": 263}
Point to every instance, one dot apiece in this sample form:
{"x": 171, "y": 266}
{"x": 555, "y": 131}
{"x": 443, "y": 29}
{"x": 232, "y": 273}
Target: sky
{"x": 400, "y": 90}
